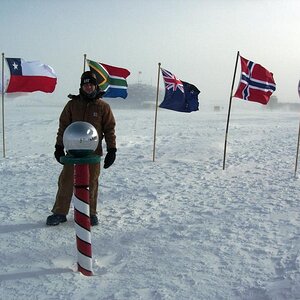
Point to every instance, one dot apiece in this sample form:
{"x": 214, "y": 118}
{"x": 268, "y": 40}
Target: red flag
{"x": 256, "y": 84}
{"x": 30, "y": 76}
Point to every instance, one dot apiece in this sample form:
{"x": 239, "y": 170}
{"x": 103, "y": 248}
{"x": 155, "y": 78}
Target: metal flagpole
{"x": 84, "y": 62}
{"x": 296, "y": 165}
{"x": 229, "y": 109}
{"x": 156, "y": 108}
{"x": 2, "y": 92}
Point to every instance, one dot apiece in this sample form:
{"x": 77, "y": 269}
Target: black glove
{"x": 110, "y": 157}
{"x": 59, "y": 152}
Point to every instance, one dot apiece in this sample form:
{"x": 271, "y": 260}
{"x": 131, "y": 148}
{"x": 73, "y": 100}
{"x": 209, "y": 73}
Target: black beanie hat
{"x": 88, "y": 77}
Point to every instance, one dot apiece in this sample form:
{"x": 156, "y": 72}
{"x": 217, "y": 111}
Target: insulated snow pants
{"x": 65, "y": 189}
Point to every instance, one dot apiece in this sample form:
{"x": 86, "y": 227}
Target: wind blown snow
{"x": 177, "y": 228}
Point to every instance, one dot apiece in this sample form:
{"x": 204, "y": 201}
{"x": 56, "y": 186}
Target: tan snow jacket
{"x": 96, "y": 112}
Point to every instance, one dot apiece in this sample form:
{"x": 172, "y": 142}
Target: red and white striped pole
{"x": 81, "y": 140}
{"x": 82, "y": 219}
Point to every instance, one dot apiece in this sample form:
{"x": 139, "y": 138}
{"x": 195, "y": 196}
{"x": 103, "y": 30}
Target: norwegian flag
{"x": 256, "y": 84}
{"x": 179, "y": 95}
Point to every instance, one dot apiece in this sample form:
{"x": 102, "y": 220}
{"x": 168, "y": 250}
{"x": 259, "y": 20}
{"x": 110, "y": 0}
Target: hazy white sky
{"x": 197, "y": 40}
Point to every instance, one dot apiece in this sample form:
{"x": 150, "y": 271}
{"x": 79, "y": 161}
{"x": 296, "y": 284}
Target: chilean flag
{"x": 30, "y": 76}
{"x": 256, "y": 84}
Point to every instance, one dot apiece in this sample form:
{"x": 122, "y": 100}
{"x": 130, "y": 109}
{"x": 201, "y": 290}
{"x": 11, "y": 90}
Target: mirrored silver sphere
{"x": 80, "y": 136}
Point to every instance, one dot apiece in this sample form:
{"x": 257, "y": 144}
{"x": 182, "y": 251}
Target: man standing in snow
{"x": 87, "y": 107}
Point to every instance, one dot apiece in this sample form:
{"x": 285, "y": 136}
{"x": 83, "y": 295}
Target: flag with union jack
{"x": 179, "y": 95}
{"x": 256, "y": 84}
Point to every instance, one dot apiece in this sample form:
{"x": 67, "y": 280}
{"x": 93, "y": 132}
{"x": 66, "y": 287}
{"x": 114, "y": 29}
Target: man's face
{"x": 88, "y": 88}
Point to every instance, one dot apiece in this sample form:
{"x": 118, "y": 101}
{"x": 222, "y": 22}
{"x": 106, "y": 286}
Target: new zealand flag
{"x": 256, "y": 84}
{"x": 179, "y": 95}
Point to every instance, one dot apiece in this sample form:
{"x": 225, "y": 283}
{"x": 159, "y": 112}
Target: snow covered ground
{"x": 177, "y": 228}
